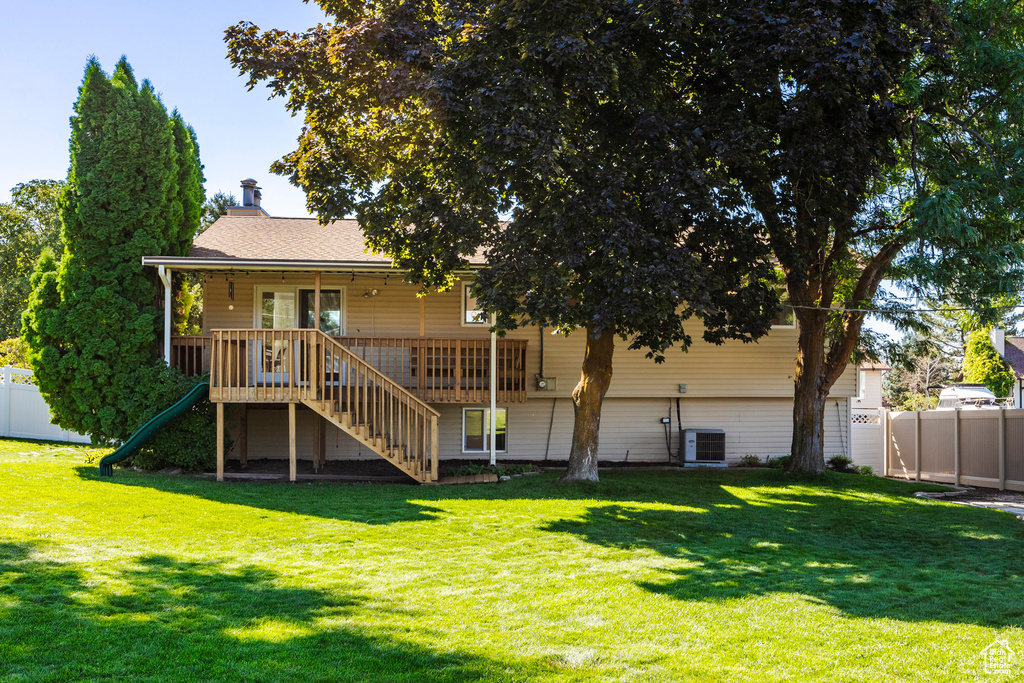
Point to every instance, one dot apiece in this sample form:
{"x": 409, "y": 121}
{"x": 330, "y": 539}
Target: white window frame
{"x": 463, "y": 295}
{"x": 862, "y": 380}
{"x": 487, "y": 427}
{"x": 257, "y": 301}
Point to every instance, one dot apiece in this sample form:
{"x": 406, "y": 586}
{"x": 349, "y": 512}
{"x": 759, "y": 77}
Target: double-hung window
{"x": 476, "y": 430}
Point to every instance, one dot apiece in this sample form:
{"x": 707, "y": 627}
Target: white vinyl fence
{"x": 866, "y": 439}
{"x": 23, "y": 412}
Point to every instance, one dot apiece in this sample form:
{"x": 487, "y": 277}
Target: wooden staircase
{"x": 309, "y": 367}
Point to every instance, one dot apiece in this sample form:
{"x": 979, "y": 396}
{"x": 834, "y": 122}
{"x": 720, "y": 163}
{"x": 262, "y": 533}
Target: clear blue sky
{"x": 179, "y": 47}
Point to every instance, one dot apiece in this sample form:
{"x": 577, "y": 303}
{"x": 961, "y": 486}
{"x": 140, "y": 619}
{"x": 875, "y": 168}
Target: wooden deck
{"x": 307, "y": 367}
{"x": 434, "y": 369}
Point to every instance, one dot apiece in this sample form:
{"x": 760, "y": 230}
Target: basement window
{"x": 476, "y": 427}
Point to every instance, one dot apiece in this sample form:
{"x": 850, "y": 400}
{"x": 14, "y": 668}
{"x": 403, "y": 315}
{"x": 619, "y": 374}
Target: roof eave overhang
{"x": 229, "y": 264}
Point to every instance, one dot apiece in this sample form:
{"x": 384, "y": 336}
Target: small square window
{"x": 471, "y": 314}
{"x": 476, "y": 427}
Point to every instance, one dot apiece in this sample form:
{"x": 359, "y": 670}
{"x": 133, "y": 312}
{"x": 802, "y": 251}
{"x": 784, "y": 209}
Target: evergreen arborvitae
{"x": 134, "y": 189}
{"x": 982, "y": 364}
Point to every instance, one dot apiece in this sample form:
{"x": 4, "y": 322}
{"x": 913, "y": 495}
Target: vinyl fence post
{"x": 5, "y": 401}
{"x": 917, "y": 442}
{"x": 1002, "y": 448}
{"x": 886, "y": 441}
{"x": 956, "y": 446}
{"x": 882, "y": 415}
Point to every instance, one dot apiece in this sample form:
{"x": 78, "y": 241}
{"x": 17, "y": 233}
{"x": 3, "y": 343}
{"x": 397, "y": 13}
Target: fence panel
{"x": 23, "y": 412}
{"x": 979, "y": 443}
{"x": 938, "y": 452}
{"x": 991, "y": 446}
{"x": 902, "y": 444}
{"x": 1015, "y": 448}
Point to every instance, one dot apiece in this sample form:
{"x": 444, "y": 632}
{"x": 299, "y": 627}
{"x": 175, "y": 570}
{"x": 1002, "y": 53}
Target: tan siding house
{"x": 407, "y": 378}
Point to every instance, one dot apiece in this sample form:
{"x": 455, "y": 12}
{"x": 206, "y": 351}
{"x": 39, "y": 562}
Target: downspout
{"x": 165, "y": 277}
{"x": 494, "y": 392}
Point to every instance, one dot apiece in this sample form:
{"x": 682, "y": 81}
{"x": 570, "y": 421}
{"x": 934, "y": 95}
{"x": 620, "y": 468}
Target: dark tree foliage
{"x": 29, "y": 223}
{"x": 431, "y": 120}
{"x": 134, "y": 188}
{"x": 650, "y": 154}
{"x": 872, "y": 140}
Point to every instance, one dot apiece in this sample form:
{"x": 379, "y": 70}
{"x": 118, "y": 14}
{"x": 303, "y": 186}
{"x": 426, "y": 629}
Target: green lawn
{"x": 649, "y": 576}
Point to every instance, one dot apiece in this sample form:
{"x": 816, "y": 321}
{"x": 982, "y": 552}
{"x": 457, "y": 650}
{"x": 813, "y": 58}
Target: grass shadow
{"x": 862, "y": 546}
{"x": 363, "y": 503}
{"x": 162, "y": 618}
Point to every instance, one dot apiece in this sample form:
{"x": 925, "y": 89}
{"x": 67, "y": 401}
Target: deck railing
{"x": 307, "y": 366}
{"x": 434, "y": 369}
{"x": 444, "y": 370}
{"x": 190, "y": 354}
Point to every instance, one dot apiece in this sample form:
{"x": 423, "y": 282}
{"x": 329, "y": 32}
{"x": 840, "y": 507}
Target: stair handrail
{"x": 378, "y": 376}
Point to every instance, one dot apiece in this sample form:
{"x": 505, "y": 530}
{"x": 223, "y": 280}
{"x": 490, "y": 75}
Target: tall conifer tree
{"x": 134, "y": 189}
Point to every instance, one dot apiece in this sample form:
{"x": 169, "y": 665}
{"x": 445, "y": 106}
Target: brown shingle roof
{"x": 263, "y": 238}
{"x": 874, "y": 365}
{"x": 1014, "y": 354}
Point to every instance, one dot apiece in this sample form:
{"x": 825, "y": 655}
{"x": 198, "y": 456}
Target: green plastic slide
{"x": 139, "y": 438}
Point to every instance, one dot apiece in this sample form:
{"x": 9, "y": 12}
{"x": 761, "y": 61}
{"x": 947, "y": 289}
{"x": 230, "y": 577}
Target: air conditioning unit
{"x": 704, "y": 447}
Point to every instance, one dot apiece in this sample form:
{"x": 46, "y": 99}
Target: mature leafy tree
{"x": 919, "y": 363}
{"x": 29, "y": 223}
{"x": 983, "y": 364}
{"x": 872, "y": 140}
{"x": 859, "y": 139}
{"x": 134, "y": 188}
{"x": 429, "y": 120}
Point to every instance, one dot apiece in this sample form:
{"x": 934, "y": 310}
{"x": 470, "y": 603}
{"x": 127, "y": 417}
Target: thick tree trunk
{"x": 587, "y": 399}
{"x": 810, "y": 394}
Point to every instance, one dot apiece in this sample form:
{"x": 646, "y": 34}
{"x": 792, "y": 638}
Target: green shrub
{"x": 750, "y": 460}
{"x": 866, "y": 470}
{"x": 840, "y": 463}
{"x": 982, "y": 363}
{"x": 189, "y": 442}
{"x": 473, "y": 468}
{"x": 780, "y": 462}
{"x": 918, "y": 402}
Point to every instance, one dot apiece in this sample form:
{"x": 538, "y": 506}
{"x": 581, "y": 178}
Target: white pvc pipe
{"x": 494, "y": 392}
{"x": 165, "y": 277}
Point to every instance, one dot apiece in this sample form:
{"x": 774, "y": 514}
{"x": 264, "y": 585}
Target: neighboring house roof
{"x": 872, "y": 365}
{"x": 253, "y": 242}
{"x": 1013, "y": 353}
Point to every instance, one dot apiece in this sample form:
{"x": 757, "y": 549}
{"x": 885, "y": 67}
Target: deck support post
{"x": 320, "y": 442}
{"x": 291, "y": 442}
{"x": 165, "y": 277}
{"x": 243, "y": 436}
{"x": 220, "y": 441}
{"x": 494, "y": 392}
{"x": 316, "y": 300}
